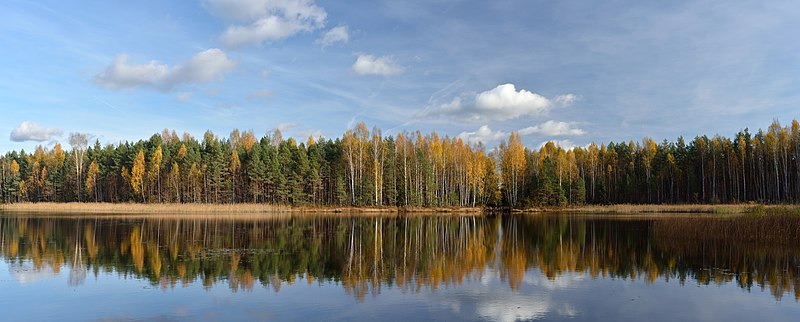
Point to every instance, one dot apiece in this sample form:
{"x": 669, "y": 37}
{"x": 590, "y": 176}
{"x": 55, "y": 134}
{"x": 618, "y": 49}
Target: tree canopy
{"x": 367, "y": 168}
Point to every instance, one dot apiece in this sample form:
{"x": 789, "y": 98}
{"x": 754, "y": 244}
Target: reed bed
{"x": 773, "y": 228}
{"x": 678, "y": 209}
{"x": 218, "y": 209}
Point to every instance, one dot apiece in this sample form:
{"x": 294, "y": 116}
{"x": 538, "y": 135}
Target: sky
{"x": 573, "y": 72}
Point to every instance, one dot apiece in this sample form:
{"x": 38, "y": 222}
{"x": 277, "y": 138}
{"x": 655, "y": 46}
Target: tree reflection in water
{"x": 364, "y": 254}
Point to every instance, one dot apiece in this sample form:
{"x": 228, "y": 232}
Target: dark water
{"x": 504, "y": 268}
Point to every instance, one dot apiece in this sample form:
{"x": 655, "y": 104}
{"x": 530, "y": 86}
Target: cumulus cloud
{"x": 335, "y": 35}
{"x": 484, "y": 135}
{"x": 259, "y": 21}
{"x": 29, "y": 131}
{"x": 553, "y": 128}
{"x": 565, "y": 144}
{"x": 503, "y": 102}
{"x": 507, "y": 98}
{"x": 370, "y": 65}
{"x": 201, "y": 68}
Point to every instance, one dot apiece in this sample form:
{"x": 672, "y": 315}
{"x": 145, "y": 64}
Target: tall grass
{"x": 195, "y": 208}
{"x": 757, "y": 209}
{"x": 779, "y": 228}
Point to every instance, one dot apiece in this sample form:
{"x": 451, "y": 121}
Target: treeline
{"x": 366, "y": 168}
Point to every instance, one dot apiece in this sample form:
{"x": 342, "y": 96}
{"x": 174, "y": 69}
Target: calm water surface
{"x": 501, "y": 268}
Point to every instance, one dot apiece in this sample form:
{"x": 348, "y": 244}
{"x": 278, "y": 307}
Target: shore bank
{"x": 207, "y": 209}
{"x": 665, "y": 209}
{"x": 189, "y": 208}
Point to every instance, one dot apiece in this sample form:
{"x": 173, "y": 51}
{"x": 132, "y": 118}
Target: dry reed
{"x": 677, "y": 209}
{"x": 227, "y": 209}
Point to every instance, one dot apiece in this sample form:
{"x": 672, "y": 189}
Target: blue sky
{"x": 572, "y": 71}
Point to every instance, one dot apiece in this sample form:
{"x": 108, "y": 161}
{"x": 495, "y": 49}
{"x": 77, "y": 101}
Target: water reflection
{"x": 364, "y": 255}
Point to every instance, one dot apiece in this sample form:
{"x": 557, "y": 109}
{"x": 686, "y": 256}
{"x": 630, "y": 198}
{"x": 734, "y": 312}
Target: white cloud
{"x": 201, "y": 68}
{"x": 335, "y": 35}
{"x": 266, "y": 20}
{"x": 505, "y": 98}
{"x": 553, "y": 128}
{"x": 484, "y": 134}
{"x": 503, "y": 102}
{"x": 564, "y": 144}
{"x": 121, "y": 75}
{"x": 371, "y": 65}
{"x": 29, "y": 131}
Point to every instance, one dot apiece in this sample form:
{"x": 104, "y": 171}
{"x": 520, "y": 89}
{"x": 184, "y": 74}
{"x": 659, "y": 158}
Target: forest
{"x": 365, "y": 168}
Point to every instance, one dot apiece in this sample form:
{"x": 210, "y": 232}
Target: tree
{"x": 648, "y": 153}
{"x": 14, "y": 172}
{"x": 137, "y": 175}
{"x": 377, "y": 166}
{"x": 175, "y": 181}
{"x": 367, "y": 168}
{"x": 155, "y": 168}
{"x": 234, "y": 166}
{"x": 513, "y": 166}
{"x": 91, "y": 178}
{"x": 350, "y": 146}
{"x": 78, "y": 141}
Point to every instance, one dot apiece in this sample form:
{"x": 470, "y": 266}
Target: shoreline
{"x": 250, "y": 208}
{"x": 671, "y": 209}
{"x": 206, "y": 209}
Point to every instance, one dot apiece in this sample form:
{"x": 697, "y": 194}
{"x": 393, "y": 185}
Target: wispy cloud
{"x": 336, "y": 35}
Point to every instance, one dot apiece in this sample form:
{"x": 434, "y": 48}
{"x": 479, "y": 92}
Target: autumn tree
{"x": 78, "y": 141}
{"x": 512, "y": 167}
{"x": 137, "y": 174}
{"x": 154, "y": 173}
{"x": 91, "y": 179}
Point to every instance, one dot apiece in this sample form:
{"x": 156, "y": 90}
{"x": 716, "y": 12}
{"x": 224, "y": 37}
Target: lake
{"x": 550, "y": 267}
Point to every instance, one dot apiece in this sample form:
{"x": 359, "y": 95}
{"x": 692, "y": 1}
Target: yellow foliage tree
{"x": 137, "y": 174}
{"x": 91, "y": 178}
{"x": 154, "y": 175}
